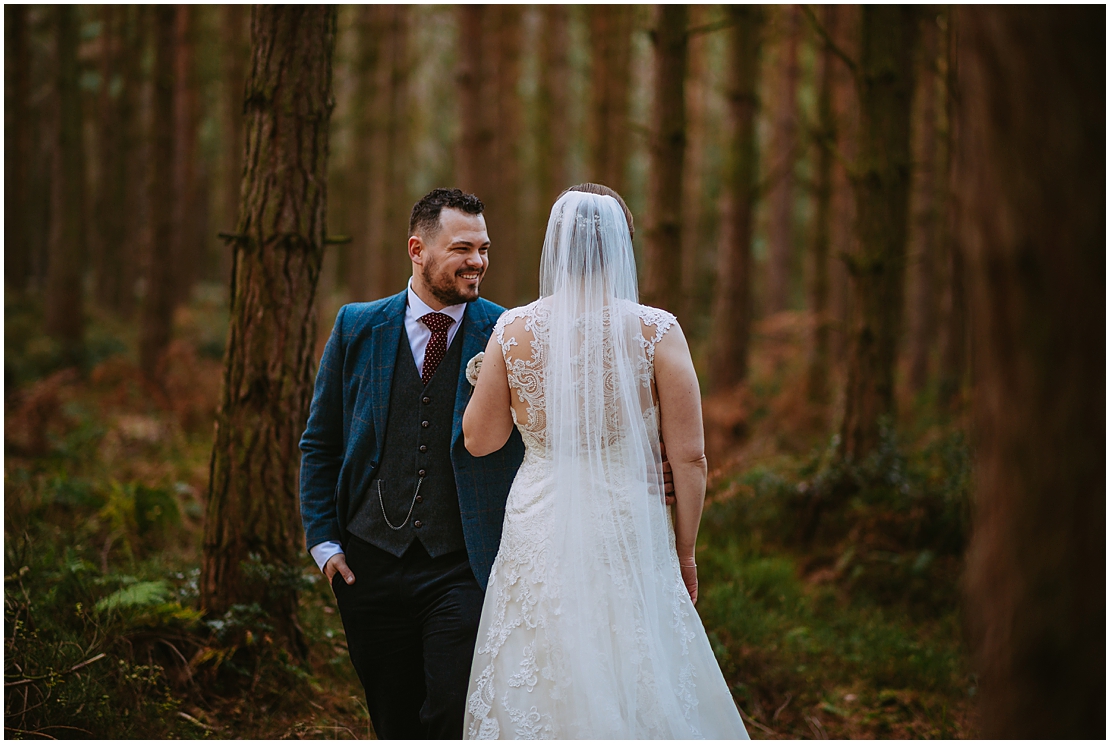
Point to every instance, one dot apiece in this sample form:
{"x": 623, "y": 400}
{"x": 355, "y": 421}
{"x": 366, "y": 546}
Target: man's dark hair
{"x": 425, "y": 213}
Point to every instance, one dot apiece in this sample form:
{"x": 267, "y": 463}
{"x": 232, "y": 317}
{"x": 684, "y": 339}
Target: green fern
{"x": 141, "y": 594}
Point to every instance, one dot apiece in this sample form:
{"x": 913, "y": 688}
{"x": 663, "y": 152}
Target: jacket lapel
{"x": 383, "y": 357}
{"x": 475, "y": 335}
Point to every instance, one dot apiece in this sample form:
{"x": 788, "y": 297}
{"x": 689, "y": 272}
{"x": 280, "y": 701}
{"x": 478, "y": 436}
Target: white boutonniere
{"x": 473, "y": 367}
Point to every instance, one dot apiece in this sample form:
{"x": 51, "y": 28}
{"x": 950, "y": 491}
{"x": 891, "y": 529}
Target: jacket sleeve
{"x": 322, "y": 445}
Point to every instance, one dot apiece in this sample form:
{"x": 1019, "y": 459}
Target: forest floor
{"x": 843, "y": 626}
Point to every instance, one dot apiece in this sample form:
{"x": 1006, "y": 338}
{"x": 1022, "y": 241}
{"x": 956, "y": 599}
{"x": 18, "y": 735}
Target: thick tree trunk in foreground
{"x": 784, "y": 149}
{"x": 732, "y": 312}
{"x": 65, "y": 312}
{"x": 17, "y": 146}
{"x": 887, "y": 41}
{"x": 252, "y": 498}
{"x": 1032, "y": 159}
{"x": 157, "y": 308}
{"x": 817, "y": 377}
{"x": 610, "y": 76}
{"x": 663, "y": 252}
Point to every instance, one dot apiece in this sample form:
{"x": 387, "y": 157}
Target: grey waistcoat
{"x": 417, "y": 450}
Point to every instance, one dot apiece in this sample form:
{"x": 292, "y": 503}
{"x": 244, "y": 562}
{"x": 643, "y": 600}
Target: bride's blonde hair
{"x": 600, "y": 190}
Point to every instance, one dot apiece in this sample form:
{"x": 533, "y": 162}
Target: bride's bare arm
{"x": 487, "y": 422}
{"x": 680, "y": 420}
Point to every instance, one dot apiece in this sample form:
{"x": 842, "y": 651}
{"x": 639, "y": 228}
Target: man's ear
{"x": 416, "y": 250}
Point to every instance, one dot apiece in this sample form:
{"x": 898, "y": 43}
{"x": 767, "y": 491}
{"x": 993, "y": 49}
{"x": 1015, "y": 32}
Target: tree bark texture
{"x": 610, "y": 34}
{"x": 694, "y": 167}
{"x": 817, "y": 376}
{"x": 234, "y": 56}
{"x": 886, "y": 77}
{"x": 1032, "y": 156}
{"x": 552, "y": 134}
{"x": 364, "y": 120}
{"x": 156, "y": 319}
{"x": 663, "y": 251}
{"x": 17, "y": 146}
{"x": 252, "y": 513}
{"x": 923, "y": 306}
{"x": 65, "y": 313}
{"x": 732, "y": 313}
{"x": 784, "y": 155}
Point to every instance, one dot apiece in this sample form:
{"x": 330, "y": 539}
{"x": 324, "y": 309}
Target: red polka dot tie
{"x": 437, "y": 323}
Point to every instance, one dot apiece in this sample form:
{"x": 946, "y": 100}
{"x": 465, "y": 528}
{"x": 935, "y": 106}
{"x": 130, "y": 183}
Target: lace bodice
{"x": 522, "y": 334}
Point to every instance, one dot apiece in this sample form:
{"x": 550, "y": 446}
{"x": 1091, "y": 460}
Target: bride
{"x": 588, "y": 628}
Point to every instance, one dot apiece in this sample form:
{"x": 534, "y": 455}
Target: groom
{"x": 401, "y": 519}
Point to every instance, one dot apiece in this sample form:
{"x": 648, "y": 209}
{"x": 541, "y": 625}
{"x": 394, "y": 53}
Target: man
{"x": 401, "y": 519}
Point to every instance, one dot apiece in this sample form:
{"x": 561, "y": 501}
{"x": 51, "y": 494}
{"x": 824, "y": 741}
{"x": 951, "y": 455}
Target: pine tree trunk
{"x": 923, "y": 245}
{"x": 234, "y": 56}
{"x": 17, "y": 146}
{"x": 364, "y": 160}
{"x": 504, "y": 205}
{"x": 817, "y": 377}
{"x": 663, "y": 252}
{"x": 186, "y": 243}
{"x": 732, "y": 314}
{"x": 610, "y": 81}
{"x": 157, "y": 307}
{"x": 65, "y": 313}
{"x": 887, "y": 40}
{"x": 954, "y": 353}
{"x": 552, "y": 141}
{"x": 1032, "y": 155}
{"x": 784, "y": 147}
{"x": 388, "y": 219}
{"x": 252, "y": 499}
{"x": 476, "y": 148}
{"x": 693, "y": 173}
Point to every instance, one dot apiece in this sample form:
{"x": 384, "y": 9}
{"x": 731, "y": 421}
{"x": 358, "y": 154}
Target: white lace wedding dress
{"x": 587, "y": 630}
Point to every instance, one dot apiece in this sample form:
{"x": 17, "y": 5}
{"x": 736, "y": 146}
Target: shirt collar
{"x": 420, "y": 308}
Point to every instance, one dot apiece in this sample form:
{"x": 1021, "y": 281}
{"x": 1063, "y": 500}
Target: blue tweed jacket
{"x": 342, "y": 445}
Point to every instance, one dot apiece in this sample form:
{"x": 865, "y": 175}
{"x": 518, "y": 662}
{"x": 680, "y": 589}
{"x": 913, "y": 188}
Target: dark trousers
{"x": 411, "y": 623}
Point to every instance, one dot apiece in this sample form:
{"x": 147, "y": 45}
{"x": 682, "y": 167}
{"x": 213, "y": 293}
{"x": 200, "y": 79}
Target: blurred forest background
{"x": 882, "y": 229}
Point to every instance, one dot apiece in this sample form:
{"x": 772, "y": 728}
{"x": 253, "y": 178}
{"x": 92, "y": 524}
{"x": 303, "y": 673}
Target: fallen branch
{"x": 74, "y": 668}
{"x": 195, "y": 721}
{"x": 757, "y": 724}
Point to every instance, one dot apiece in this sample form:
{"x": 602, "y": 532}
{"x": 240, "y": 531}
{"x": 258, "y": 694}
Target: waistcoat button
{"x": 423, "y": 448}
{"x": 427, "y": 400}
{"x": 418, "y": 524}
{"x": 420, "y": 499}
{"x": 421, "y": 472}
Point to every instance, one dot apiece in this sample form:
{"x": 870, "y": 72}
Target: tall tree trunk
{"x": 388, "y": 171}
{"x": 693, "y": 173}
{"x": 923, "y": 246}
{"x": 732, "y": 313}
{"x": 476, "y": 148}
{"x": 65, "y": 312}
{"x": 362, "y": 174}
{"x": 135, "y": 153}
{"x": 17, "y": 146}
{"x": 156, "y": 321}
{"x": 187, "y": 242}
{"x": 817, "y": 377}
{"x": 233, "y": 59}
{"x": 552, "y": 140}
{"x": 252, "y": 497}
{"x": 610, "y": 31}
{"x": 1032, "y": 157}
{"x": 784, "y": 149}
{"x": 954, "y": 354}
{"x": 504, "y": 204}
{"x": 663, "y": 252}
{"x": 887, "y": 39}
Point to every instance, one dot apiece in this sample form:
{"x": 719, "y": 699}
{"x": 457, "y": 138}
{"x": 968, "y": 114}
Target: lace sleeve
{"x": 506, "y": 319}
{"x": 662, "y": 321}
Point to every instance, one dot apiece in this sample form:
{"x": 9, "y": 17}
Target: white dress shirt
{"x": 419, "y": 336}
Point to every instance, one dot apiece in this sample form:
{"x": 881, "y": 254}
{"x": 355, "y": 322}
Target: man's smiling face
{"x": 450, "y": 264}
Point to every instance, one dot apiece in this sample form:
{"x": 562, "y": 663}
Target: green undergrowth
{"x": 853, "y": 631}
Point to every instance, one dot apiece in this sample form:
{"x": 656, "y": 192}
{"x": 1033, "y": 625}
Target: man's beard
{"x": 443, "y": 286}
